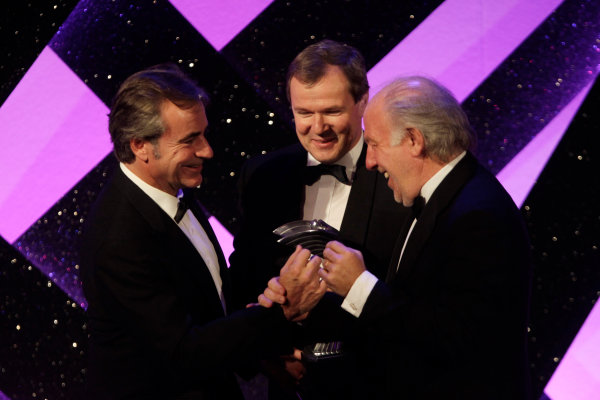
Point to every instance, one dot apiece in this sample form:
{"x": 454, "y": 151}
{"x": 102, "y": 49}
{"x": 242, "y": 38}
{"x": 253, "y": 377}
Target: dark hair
{"x": 311, "y": 64}
{"x": 422, "y": 103}
{"x": 136, "y": 109}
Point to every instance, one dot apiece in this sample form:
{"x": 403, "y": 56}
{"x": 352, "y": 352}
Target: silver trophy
{"x": 312, "y": 235}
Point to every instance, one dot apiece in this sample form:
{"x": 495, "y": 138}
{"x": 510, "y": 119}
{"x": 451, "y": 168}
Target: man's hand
{"x": 341, "y": 266}
{"x": 298, "y": 289}
{"x": 285, "y": 371}
{"x": 294, "y": 366}
{"x": 274, "y": 293}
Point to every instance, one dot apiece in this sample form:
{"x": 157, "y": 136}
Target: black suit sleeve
{"x": 271, "y": 194}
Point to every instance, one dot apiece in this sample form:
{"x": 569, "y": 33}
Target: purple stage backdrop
{"x": 523, "y": 69}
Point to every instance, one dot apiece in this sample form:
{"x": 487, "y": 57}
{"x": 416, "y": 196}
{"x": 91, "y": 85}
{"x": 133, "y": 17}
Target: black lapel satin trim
{"x": 393, "y": 267}
{"x": 190, "y": 259}
{"x": 198, "y": 212}
{"x": 295, "y": 181}
{"x": 355, "y": 224}
{"x": 439, "y": 201}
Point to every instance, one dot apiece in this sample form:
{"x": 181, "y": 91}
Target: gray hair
{"x": 136, "y": 109}
{"x": 421, "y": 103}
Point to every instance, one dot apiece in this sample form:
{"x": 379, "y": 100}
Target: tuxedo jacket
{"x": 272, "y": 190}
{"x": 156, "y": 324}
{"x": 451, "y": 320}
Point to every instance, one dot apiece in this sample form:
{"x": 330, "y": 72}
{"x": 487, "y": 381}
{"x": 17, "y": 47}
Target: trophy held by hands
{"x": 312, "y": 235}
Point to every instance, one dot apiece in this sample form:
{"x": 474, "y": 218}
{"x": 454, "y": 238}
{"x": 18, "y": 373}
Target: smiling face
{"x": 328, "y": 120}
{"x": 397, "y": 162}
{"x": 175, "y": 160}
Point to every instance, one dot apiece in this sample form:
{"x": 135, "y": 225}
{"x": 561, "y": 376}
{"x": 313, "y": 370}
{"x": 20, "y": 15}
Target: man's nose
{"x": 319, "y": 123}
{"x": 370, "y": 161}
{"x": 204, "y": 150}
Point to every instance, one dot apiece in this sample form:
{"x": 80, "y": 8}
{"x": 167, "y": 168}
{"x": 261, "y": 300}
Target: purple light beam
{"x": 521, "y": 173}
{"x": 55, "y": 132}
{"x": 577, "y": 377}
{"x": 220, "y": 21}
{"x": 462, "y": 42}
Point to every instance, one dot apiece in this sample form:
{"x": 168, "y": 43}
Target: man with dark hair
{"x": 450, "y": 319}
{"x": 153, "y": 273}
{"x": 322, "y": 177}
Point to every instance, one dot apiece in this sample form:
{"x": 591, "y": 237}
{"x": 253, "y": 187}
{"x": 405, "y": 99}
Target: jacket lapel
{"x": 198, "y": 212}
{"x": 193, "y": 267}
{"x": 393, "y": 267}
{"x": 292, "y": 183}
{"x": 184, "y": 254}
{"x": 439, "y": 201}
{"x": 354, "y": 228}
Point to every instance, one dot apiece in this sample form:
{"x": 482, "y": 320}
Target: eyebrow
{"x": 328, "y": 109}
{"x": 298, "y": 109}
{"x": 190, "y": 136}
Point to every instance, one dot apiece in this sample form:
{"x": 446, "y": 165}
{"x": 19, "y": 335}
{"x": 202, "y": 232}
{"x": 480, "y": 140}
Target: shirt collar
{"x": 348, "y": 160}
{"x": 167, "y": 202}
{"x": 433, "y": 182}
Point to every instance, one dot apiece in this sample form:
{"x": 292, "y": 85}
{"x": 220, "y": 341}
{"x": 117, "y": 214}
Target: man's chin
{"x": 326, "y": 157}
{"x": 398, "y": 197}
{"x": 193, "y": 183}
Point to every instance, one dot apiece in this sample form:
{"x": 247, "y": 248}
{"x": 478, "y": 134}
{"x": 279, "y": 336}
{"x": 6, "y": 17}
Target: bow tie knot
{"x": 314, "y": 172}
{"x": 184, "y": 204}
{"x": 417, "y": 206}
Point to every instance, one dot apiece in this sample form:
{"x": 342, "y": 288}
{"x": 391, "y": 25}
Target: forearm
{"x": 227, "y": 343}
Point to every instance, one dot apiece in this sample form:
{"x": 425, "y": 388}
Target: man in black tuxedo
{"x": 328, "y": 90}
{"x": 450, "y": 319}
{"x": 153, "y": 273}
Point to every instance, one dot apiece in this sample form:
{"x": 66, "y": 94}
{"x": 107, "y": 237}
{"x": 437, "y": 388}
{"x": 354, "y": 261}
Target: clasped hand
{"x": 341, "y": 266}
{"x": 298, "y": 288}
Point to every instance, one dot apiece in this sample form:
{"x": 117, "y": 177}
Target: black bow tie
{"x": 314, "y": 172}
{"x": 184, "y": 204}
{"x": 417, "y": 206}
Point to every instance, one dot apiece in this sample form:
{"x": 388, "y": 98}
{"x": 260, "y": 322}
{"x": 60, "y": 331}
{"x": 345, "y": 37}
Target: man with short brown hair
{"x": 322, "y": 177}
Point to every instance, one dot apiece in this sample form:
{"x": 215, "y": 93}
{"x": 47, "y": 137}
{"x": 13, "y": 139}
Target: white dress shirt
{"x": 326, "y": 199}
{"x": 189, "y": 225}
{"x": 363, "y": 285}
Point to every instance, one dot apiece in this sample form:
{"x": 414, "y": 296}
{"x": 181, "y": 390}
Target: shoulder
{"x": 287, "y": 157}
{"x": 484, "y": 203}
{"x": 470, "y": 185}
{"x": 485, "y": 191}
{"x": 276, "y": 165}
{"x": 122, "y": 211}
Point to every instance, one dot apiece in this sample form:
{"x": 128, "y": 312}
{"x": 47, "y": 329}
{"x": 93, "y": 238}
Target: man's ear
{"x": 417, "y": 141}
{"x": 362, "y": 103}
{"x": 140, "y": 148}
